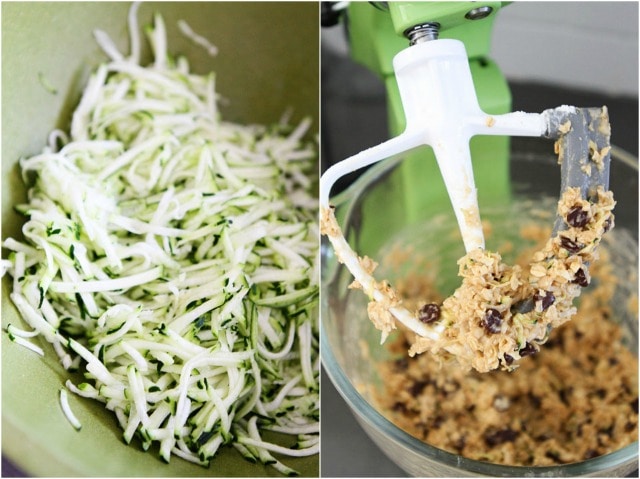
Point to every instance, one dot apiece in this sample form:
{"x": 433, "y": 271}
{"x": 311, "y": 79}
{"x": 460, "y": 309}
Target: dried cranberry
{"x": 402, "y": 364}
{"x": 495, "y": 437}
{"x": 535, "y": 401}
{"x": 607, "y": 431}
{"x": 528, "y": 350}
{"x": 399, "y": 406}
{"x": 565, "y": 395}
{"x": 508, "y": 360}
{"x": 546, "y": 297}
{"x": 417, "y": 387}
{"x": 581, "y": 278}
{"x": 460, "y": 443}
{"x": 608, "y": 223}
{"x": 590, "y": 454}
{"x": 570, "y": 245}
{"x": 436, "y": 422}
{"x": 577, "y": 217}
{"x": 553, "y": 455}
{"x": 429, "y": 313}
{"x": 492, "y": 321}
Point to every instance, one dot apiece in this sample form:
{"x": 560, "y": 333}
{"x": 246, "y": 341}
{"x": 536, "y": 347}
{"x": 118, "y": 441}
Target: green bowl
{"x": 268, "y": 61}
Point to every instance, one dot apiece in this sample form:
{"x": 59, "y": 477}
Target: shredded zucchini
{"x": 173, "y": 257}
{"x": 66, "y": 409}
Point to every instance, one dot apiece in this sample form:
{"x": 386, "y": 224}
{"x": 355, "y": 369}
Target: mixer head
{"x": 441, "y": 109}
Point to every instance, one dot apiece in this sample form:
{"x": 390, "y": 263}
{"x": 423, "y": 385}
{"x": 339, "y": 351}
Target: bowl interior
{"x": 351, "y": 349}
{"x": 262, "y": 69}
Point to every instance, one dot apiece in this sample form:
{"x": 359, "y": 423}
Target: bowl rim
{"x": 364, "y": 411}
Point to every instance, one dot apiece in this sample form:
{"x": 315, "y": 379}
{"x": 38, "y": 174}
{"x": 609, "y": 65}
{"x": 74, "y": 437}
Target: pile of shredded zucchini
{"x": 173, "y": 258}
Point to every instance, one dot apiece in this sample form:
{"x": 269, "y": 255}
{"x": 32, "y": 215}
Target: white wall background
{"x": 587, "y": 45}
{"x": 592, "y": 45}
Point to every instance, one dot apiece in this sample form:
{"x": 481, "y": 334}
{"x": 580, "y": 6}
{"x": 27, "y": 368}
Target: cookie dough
{"x": 576, "y": 400}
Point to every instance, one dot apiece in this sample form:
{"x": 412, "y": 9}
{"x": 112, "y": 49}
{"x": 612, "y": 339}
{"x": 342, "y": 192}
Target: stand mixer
{"x": 442, "y": 90}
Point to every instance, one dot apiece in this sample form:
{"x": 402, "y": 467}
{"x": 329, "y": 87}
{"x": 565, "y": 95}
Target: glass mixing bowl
{"x": 350, "y": 344}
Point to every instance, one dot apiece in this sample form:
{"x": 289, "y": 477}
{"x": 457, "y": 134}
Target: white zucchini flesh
{"x": 174, "y": 258}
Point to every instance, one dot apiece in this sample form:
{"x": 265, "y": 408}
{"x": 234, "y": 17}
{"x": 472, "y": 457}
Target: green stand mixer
{"x": 450, "y": 119}
{"x": 376, "y": 35}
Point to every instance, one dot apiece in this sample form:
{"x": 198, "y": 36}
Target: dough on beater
{"x": 501, "y": 313}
